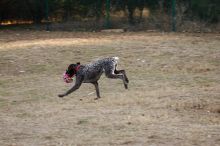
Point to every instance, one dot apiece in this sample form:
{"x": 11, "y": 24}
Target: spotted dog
{"x": 92, "y": 72}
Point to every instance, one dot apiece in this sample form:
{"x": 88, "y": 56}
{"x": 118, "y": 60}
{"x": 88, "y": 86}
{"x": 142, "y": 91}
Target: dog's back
{"x": 94, "y": 70}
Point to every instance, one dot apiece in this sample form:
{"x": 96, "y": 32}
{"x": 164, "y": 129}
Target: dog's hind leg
{"x": 122, "y": 72}
{"x": 96, "y": 89}
{"x": 117, "y": 76}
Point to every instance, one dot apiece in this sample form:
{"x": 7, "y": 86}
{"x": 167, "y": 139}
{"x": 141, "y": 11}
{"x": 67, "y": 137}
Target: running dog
{"x": 92, "y": 72}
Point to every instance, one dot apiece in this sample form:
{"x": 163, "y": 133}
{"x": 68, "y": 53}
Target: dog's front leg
{"x": 97, "y": 89}
{"x": 75, "y": 87}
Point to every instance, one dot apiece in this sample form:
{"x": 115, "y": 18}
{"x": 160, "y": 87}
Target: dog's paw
{"x": 126, "y": 86}
{"x": 60, "y": 95}
{"x": 97, "y": 98}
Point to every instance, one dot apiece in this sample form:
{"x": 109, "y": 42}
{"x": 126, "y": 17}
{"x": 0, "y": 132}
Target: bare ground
{"x": 173, "y": 97}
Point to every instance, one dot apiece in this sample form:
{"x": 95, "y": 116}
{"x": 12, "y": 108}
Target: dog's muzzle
{"x": 66, "y": 78}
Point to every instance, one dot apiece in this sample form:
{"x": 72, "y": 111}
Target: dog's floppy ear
{"x": 78, "y": 63}
{"x": 71, "y": 66}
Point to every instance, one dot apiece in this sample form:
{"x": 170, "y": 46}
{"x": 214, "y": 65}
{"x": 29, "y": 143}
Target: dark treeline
{"x": 64, "y": 10}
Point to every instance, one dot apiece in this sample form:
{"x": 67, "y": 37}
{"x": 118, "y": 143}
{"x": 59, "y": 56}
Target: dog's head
{"x": 70, "y": 72}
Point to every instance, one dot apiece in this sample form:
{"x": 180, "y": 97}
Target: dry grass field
{"x": 173, "y": 97}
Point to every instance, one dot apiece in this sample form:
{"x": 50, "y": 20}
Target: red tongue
{"x": 66, "y": 78}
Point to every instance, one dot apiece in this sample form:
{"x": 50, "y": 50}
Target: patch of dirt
{"x": 173, "y": 94}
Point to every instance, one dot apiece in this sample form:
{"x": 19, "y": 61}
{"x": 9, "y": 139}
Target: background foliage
{"x": 74, "y": 10}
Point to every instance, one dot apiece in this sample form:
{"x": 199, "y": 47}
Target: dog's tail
{"x": 115, "y": 58}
